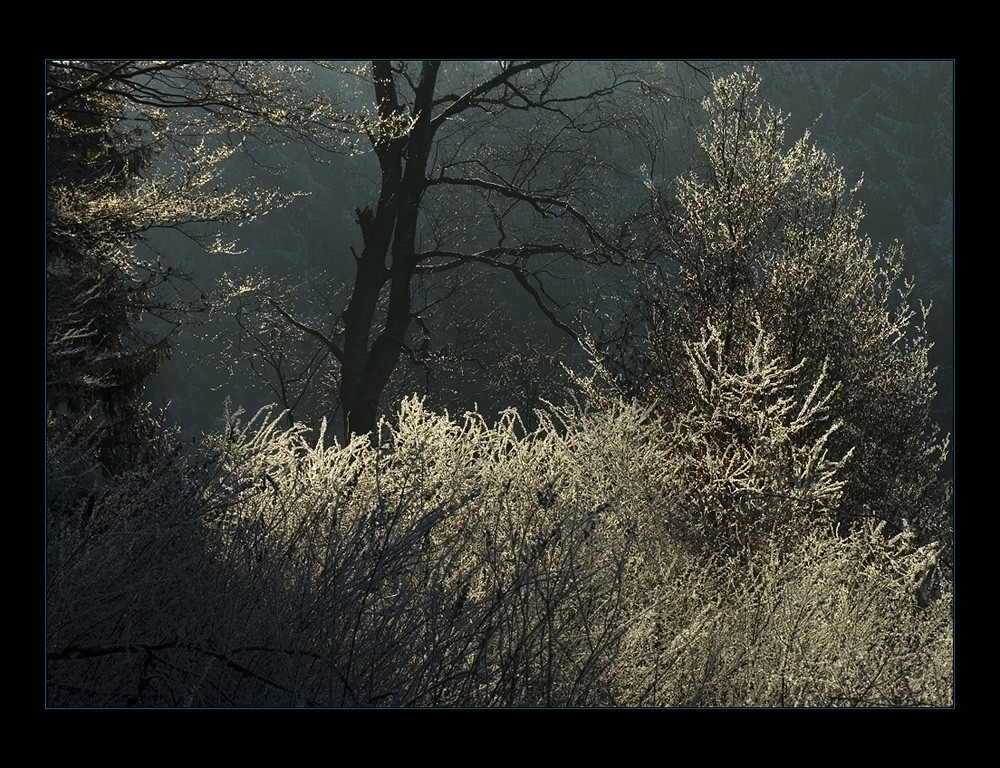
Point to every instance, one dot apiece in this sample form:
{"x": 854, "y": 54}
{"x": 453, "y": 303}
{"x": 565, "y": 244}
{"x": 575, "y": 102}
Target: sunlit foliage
{"x": 459, "y": 563}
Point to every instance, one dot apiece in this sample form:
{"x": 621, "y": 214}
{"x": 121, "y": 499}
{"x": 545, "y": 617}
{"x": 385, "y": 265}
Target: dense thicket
{"x": 459, "y": 563}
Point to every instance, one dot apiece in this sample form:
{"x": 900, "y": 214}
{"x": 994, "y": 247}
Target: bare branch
{"x": 334, "y": 348}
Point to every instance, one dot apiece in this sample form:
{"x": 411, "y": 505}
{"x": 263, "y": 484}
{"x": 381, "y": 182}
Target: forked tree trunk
{"x": 387, "y": 256}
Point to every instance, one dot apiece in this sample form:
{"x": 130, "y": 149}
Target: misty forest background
{"x": 499, "y": 383}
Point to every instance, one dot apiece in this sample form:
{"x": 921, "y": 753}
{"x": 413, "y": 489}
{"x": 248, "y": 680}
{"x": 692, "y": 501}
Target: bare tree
{"x": 526, "y": 167}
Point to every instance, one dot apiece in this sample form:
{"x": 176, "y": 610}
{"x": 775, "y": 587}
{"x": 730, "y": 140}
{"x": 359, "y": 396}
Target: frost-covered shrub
{"x": 452, "y": 563}
{"x": 458, "y": 563}
{"x": 834, "y": 623}
{"x": 748, "y": 464}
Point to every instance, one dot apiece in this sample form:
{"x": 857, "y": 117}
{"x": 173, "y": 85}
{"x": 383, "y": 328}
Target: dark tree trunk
{"x": 388, "y": 254}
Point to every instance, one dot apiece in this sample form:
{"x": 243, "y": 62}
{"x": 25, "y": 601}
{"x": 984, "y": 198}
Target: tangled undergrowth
{"x": 451, "y": 562}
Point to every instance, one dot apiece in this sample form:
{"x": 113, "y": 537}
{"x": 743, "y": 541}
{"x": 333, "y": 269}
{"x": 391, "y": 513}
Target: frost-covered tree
{"x": 133, "y": 147}
{"x": 750, "y": 464}
{"x": 765, "y": 237}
